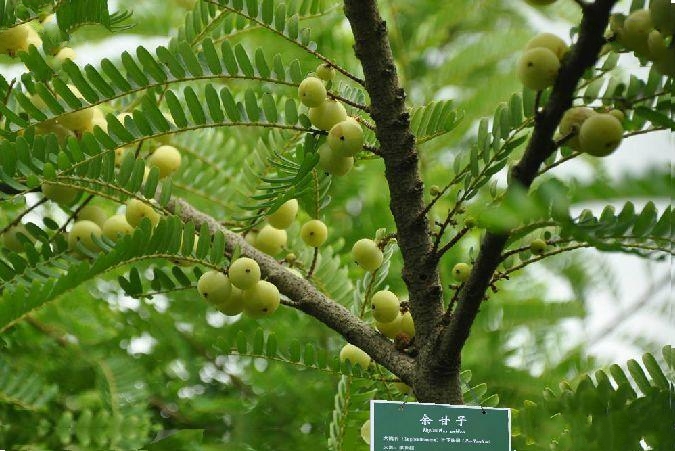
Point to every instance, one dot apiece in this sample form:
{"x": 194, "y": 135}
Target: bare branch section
{"x": 420, "y": 272}
{"x": 541, "y": 145}
{"x": 308, "y": 299}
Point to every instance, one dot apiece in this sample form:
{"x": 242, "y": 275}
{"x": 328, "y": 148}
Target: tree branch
{"x": 541, "y": 146}
{"x": 309, "y": 299}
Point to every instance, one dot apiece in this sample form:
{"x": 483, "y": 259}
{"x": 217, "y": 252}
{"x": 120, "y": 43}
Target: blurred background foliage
{"x": 160, "y": 366}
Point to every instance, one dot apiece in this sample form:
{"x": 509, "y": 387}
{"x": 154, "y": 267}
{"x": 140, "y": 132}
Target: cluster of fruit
{"x": 587, "y": 131}
{"x": 345, "y": 135}
{"x": 18, "y": 39}
{"x": 649, "y": 34}
{"x": 539, "y": 64}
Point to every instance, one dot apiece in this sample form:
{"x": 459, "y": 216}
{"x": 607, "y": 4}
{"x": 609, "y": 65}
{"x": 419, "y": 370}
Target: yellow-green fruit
{"x": 115, "y": 227}
{"x": 120, "y": 155}
{"x": 214, "y": 286}
{"x": 461, "y": 271}
{"x": 333, "y": 163}
{"x": 385, "y": 306}
{"x": 64, "y": 195}
{"x": 244, "y": 273}
{"x": 355, "y": 356}
{"x": 314, "y": 233}
{"x": 82, "y": 232}
{"x": 284, "y": 216}
{"x": 392, "y": 328}
{"x": 234, "y": 304}
{"x": 92, "y": 213}
{"x": 657, "y": 44}
{"x": 13, "y": 39}
{"x": 618, "y": 114}
{"x": 312, "y": 92}
{"x": 77, "y": 121}
{"x": 270, "y": 240}
{"x": 346, "y": 138}
{"x": 327, "y": 114}
{"x": 10, "y": 238}
{"x": 538, "y": 68}
{"x": 64, "y": 54}
{"x": 137, "y": 210}
{"x": 261, "y": 300}
{"x": 540, "y": 2}
{"x": 635, "y": 31}
{"x": 407, "y": 325}
{"x": 549, "y": 41}
{"x": 51, "y": 126}
{"x": 662, "y": 14}
{"x": 166, "y": 159}
{"x": 538, "y": 246}
{"x": 33, "y": 38}
{"x": 571, "y": 122}
{"x": 325, "y": 72}
{"x": 600, "y": 135}
{"x": 365, "y": 432}
{"x": 98, "y": 119}
{"x": 666, "y": 65}
{"x": 250, "y": 237}
{"x": 367, "y": 255}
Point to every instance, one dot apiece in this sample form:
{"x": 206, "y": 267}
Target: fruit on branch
{"x": 538, "y": 246}
{"x": 92, "y": 213}
{"x": 618, "y": 114}
{"x": 392, "y": 328}
{"x": 10, "y": 239}
{"x": 115, "y": 227}
{"x": 461, "y": 271}
{"x": 662, "y": 55}
{"x": 327, "y": 114}
{"x": 98, "y": 118}
{"x": 82, "y": 232}
{"x": 548, "y": 41}
{"x": 355, "y": 356}
{"x": 333, "y": 163}
{"x": 214, "y": 286}
{"x": 600, "y": 135}
{"x": 407, "y": 324}
{"x": 635, "y": 31}
{"x": 244, "y": 273}
{"x": 365, "y": 432}
{"x": 314, "y": 233}
{"x": 571, "y": 123}
{"x": 284, "y": 216}
{"x": 66, "y": 53}
{"x": 77, "y": 121}
{"x": 367, "y": 254}
{"x": 261, "y": 300}
{"x": 385, "y": 306}
{"x": 312, "y": 92}
{"x": 662, "y": 13}
{"x": 251, "y": 236}
{"x": 137, "y": 210}
{"x": 325, "y": 72}
{"x": 165, "y": 158}
{"x": 62, "y": 195}
{"x": 13, "y": 39}
{"x": 270, "y": 240}
{"x": 234, "y": 304}
{"x": 538, "y": 68}
{"x": 346, "y": 138}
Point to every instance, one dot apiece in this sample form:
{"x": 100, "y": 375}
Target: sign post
{"x": 434, "y": 427}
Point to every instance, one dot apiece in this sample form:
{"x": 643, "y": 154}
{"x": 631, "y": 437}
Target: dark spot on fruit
{"x": 342, "y": 138}
{"x": 530, "y": 64}
{"x": 265, "y": 309}
{"x": 248, "y": 270}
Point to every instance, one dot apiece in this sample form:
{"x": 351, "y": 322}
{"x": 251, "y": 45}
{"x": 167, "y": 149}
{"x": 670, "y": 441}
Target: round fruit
{"x": 120, "y": 155}
{"x": 365, "y": 432}
{"x": 166, "y": 159}
{"x": 346, "y": 138}
{"x": 13, "y": 39}
{"x": 137, "y": 210}
{"x": 392, "y": 328}
{"x": 284, "y": 216}
{"x": 662, "y": 13}
{"x": 538, "y": 68}
{"x": 367, "y": 255}
{"x": 115, "y": 227}
{"x": 385, "y": 306}
{"x": 314, "y": 233}
{"x": 635, "y": 31}
{"x": 270, "y": 240}
{"x": 234, "y": 304}
{"x": 333, "y": 163}
{"x": 82, "y": 232}
{"x": 618, "y": 114}
{"x": 261, "y": 300}
{"x": 80, "y": 120}
{"x": 11, "y": 240}
{"x": 244, "y": 273}
{"x": 65, "y": 53}
{"x": 571, "y": 122}
{"x": 549, "y": 41}
{"x": 327, "y": 114}
{"x": 657, "y": 44}
{"x": 251, "y": 237}
{"x": 214, "y": 286}
{"x": 312, "y": 92}
{"x": 64, "y": 195}
{"x": 600, "y": 135}
{"x": 98, "y": 119}
{"x": 461, "y": 271}
{"x": 325, "y": 72}
{"x": 355, "y": 356}
{"x": 407, "y": 324}
{"x": 92, "y": 213}
{"x": 538, "y": 246}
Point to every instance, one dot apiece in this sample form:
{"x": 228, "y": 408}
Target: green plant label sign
{"x": 414, "y": 426}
